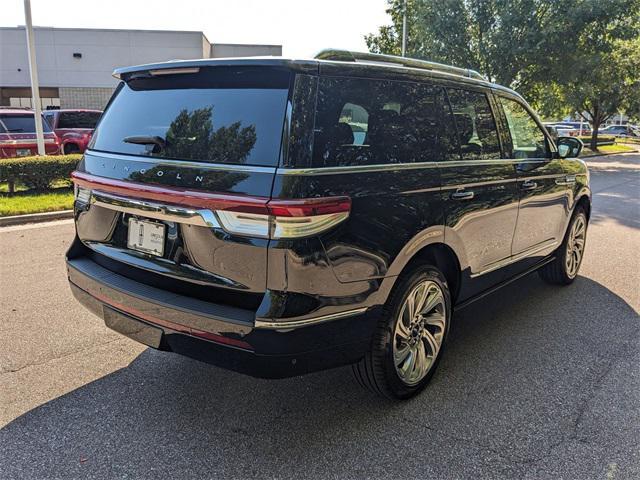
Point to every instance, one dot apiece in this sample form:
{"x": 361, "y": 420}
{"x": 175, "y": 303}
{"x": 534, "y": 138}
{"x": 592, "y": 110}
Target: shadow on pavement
{"x": 520, "y": 370}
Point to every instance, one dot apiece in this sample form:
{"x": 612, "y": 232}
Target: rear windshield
{"x": 20, "y": 123}
{"x": 78, "y": 119}
{"x": 218, "y": 115}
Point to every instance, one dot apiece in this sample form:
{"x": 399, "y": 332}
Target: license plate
{"x": 23, "y": 152}
{"x": 147, "y": 237}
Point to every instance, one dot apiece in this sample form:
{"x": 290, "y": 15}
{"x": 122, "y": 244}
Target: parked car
{"x": 74, "y": 127}
{"x": 18, "y": 134}
{"x": 558, "y": 131}
{"x": 233, "y": 211}
{"x": 619, "y": 131}
{"x": 575, "y": 129}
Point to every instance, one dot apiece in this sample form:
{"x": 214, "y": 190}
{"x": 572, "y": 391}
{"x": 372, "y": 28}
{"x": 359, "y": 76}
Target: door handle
{"x": 529, "y": 185}
{"x": 567, "y": 180}
{"x": 462, "y": 195}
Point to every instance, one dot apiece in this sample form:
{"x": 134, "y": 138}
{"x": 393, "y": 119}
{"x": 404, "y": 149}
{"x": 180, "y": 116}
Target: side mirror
{"x": 569, "y": 147}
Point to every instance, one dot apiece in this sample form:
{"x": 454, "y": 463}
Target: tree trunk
{"x": 594, "y": 134}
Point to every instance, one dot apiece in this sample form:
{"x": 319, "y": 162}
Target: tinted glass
{"x": 21, "y": 123}
{"x": 475, "y": 123}
{"x": 78, "y": 119}
{"x": 527, "y": 138}
{"x": 219, "y": 115}
{"x": 370, "y": 122}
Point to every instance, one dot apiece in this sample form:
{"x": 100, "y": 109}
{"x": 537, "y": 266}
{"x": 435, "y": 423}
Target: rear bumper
{"x": 217, "y": 334}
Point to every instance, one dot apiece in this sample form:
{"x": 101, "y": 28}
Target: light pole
{"x": 404, "y": 28}
{"x": 33, "y": 71}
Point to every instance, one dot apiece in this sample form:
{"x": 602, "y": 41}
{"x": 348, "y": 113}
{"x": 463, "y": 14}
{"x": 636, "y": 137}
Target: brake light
{"x": 287, "y": 218}
{"x": 237, "y": 214}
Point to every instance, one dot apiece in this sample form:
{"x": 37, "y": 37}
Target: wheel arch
{"x": 584, "y": 201}
{"x": 443, "y": 257}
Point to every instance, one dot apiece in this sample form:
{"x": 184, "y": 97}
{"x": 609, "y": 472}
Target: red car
{"x": 18, "y": 134}
{"x": 73, "y": 127}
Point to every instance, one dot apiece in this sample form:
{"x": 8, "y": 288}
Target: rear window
{"x": 20, "y": 123}
{"x": 78, "y": 119}
{"x": 218, "y": 115}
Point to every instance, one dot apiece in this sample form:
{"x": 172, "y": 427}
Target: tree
{"x": 519, "y": 44}
{"x": 603, "y": 85}
{"x": 191, "y": 136}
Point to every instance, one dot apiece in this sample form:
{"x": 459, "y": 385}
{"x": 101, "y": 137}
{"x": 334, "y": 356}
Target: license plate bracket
{"x": 147, "y": 237}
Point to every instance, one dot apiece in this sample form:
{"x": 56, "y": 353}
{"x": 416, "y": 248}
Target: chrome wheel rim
{"x": 575, "y": 245}
{"x": 419, "y": 332}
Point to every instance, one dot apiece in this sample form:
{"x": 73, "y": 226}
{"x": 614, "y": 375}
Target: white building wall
{"x": 102, "y": 51}
{"x": 228, "y": 50}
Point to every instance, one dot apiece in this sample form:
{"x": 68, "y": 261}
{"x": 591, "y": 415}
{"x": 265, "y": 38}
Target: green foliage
{"x": 604, "y": 83}
{"x": 191, "y": 135}
{"x": 37, "y": 172}
{"x": 564, "y": 56}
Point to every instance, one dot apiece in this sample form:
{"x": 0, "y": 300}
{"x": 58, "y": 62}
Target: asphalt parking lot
{"x": 537, "y": 382}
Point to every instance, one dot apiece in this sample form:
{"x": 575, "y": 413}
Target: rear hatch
{"x": 180, "y": 161}
{"x": 18, "y": 138}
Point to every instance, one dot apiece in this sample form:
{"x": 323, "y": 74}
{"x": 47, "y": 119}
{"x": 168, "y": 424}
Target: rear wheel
{"x": 410, "y": 336}
{"x": 564, "y": 269}
{"x": 70, "y": 148}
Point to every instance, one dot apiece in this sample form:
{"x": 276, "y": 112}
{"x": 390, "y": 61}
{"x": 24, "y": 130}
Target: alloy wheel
{"x": 419, "y": 332}
{"x": 575, "y": 246}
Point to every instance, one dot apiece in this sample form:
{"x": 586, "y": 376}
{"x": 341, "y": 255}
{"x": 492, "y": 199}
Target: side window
{"x": 527, "y": 137}
{"x": 475, "y": 123}
{"x": 371, "y": 122}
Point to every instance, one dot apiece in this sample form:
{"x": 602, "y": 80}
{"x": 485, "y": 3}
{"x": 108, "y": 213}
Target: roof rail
{"x": 349, "y": 56}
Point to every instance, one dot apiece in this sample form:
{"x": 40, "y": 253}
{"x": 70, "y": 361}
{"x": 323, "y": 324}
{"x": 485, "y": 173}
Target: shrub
{"x": 37, "y": 172}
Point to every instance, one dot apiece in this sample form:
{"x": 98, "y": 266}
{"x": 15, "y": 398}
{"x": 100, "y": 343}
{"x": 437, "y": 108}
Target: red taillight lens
{"x": 309, "y": 207}
{"x": 237, "y": 214}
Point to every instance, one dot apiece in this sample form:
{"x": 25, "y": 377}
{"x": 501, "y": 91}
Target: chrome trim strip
{"x": 183, "y": 163}
{"x": 516, "y": 258}
{"x": 398, "y": 166}
{"x": 356, "y": 168}
{"x": 198, "y": 217}
{"x": 284, "y": 325}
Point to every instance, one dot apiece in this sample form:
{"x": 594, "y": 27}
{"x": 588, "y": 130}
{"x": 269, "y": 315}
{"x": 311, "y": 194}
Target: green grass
{"x": 615, "y": 148}
{"x": 35, "y": 203}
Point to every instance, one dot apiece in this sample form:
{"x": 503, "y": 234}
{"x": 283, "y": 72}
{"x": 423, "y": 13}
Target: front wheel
{"x": 410, "y": 335}
{"x": 564, "y": 269}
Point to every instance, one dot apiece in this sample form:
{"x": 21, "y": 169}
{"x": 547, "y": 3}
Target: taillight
{"x": 287, "y": 218}
{"x": 237, "y": 214}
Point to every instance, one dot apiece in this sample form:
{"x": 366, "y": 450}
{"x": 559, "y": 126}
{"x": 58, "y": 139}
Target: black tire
{"x": 377, "y": 370}
{"x": 557, "y": 272}
{"x": 70, "y": 148}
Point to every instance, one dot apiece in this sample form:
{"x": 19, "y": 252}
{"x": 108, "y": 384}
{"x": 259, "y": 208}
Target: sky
{"x": 302, "y": 27}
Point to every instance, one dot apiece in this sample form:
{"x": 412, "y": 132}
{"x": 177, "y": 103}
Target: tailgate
{"x": 171, "y": 153}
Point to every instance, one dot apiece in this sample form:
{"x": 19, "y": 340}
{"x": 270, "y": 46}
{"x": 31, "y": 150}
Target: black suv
{"x": 277, "y": 217}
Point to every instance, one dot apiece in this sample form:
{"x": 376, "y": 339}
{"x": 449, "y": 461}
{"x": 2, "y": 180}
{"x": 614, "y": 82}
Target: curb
{"x": 35, "y": 218}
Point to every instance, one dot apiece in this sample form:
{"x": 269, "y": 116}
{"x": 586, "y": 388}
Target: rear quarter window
{"x": 218, "y": 115}
{"x": 372, "y": 122}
